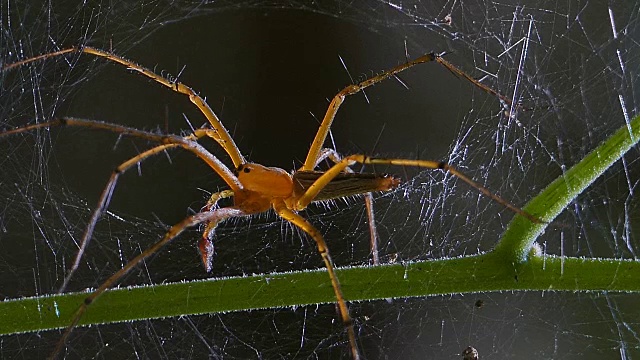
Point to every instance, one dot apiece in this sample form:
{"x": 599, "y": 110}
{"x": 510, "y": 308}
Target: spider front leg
{"x": 221, "y": 134}
{"x": 316, "y": 147}
{"x": 338, "y": 99}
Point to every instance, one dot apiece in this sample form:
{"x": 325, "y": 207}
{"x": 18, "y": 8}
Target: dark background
{"x": 269, "y": 73}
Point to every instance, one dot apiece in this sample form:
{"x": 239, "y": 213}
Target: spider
{"x": 255, "y": 188}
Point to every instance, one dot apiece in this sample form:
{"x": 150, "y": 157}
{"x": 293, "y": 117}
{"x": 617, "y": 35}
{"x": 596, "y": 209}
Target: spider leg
{"x": 216, "y": 215}
{"x": 373, "y": 229}
{"x": 368, "y": 201}
{"x": 169, "y": 141}
{"x": 456, "y": 71}
{"x": 189, "y": 143}
{"x": 338, "y": 99}
{"x": 323, "y": 180}
{"x": 103, "y": 204}
{"x": 223, "y": 138}
{"x": 284, "y": 212}
{"x": 215, "y": 197}
{"x": 206, "y": 241}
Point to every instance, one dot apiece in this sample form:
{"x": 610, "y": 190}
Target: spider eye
{"x": 242, "y": 168}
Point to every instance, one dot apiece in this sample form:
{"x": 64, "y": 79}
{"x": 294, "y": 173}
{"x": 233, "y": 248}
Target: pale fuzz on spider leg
{"x": 206, "y": 249}
{"x": 205, "y": 244}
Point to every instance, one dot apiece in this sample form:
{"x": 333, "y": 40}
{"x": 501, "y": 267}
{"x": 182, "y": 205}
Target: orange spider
{"x": 255, "y": 188}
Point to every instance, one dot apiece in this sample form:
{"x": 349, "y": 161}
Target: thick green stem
{"x": 521, "y": 233}
{"x": 468, "y": 274}
{"x": 507, "y": 268}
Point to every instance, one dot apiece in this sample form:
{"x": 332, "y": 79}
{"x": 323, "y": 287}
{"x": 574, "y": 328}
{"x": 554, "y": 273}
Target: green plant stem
{"x": 470, "y": 274}
{"x": 521, "y": 234}
{"x": 510, "y": 266}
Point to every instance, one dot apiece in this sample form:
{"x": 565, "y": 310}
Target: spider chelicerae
{"x": 254, "y": 188}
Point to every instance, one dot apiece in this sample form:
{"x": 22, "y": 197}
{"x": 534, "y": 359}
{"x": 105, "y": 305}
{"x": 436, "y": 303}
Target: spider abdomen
{"x": 345, "y": 184}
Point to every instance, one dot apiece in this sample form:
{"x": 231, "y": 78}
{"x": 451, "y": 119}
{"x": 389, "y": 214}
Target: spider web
{"x": 268, "y": 69}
